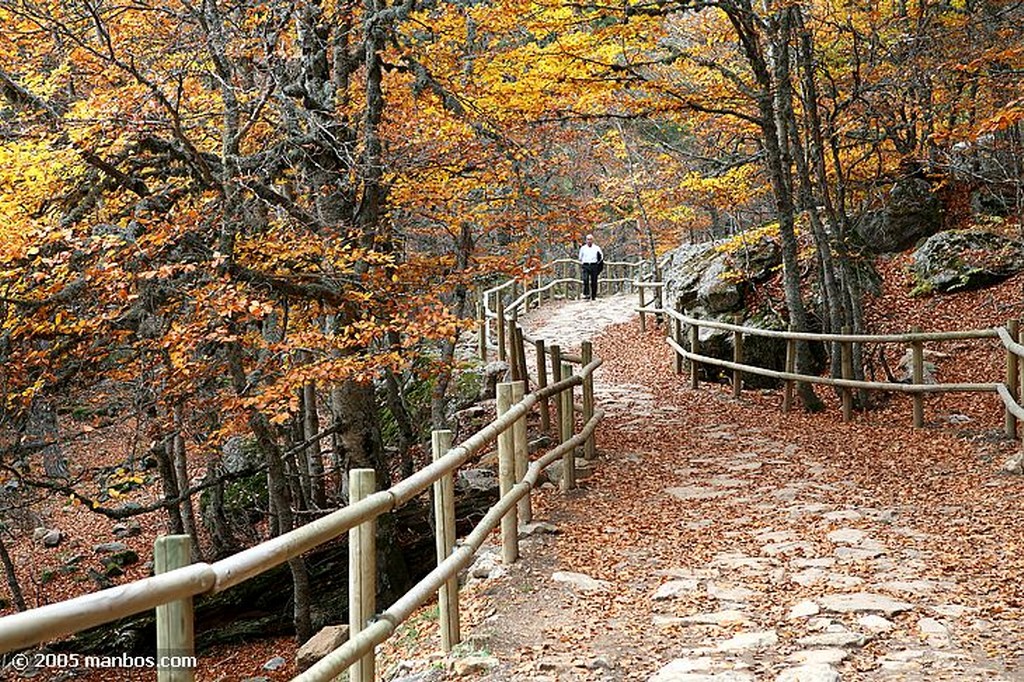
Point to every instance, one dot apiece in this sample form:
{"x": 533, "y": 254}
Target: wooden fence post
{"x": 521, "y": 357}
{"x": 787, "y": 395}
{"x": 694, "y": 348}
{"x": 643, "y": 315}
{"x": 677, "y": 334}
{"x": 362, "y": 571}
{"x": 556, "y": 376}
{"x": 542, "y": 381}
{"x": 444, "y": 533}
{"x": 521, "y": 455}
{"x": 846, "y": 357}
{"x": 481, "y": 340}
{"x": 499, "y": 308}
{"x": 506, "y": 477}
{"x": 1020, "y": 366}
{"x": 175, "y": 623}
{"x": 1012, "y": 377}
{"x": 587, "y": 353}
{"x": 917, "y": 377}
{"x": 514, "y": 370}
{"x": 737, "y": 357}
{"x": 567, "y": 417}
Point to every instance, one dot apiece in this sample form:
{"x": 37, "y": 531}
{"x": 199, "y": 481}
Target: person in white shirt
{"x": 591, "y": 263}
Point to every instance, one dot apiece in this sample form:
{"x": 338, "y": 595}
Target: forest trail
{"x": 720, "y": 540}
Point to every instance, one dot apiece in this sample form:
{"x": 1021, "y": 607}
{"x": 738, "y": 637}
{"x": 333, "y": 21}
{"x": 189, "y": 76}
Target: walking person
{"x": 591, "y": 264}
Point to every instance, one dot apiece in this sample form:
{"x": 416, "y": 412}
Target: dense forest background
{"x": 241, "y": 241}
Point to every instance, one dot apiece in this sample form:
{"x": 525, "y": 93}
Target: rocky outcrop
{"x": 909, "y": 213}
{"x": 958, "y": 260}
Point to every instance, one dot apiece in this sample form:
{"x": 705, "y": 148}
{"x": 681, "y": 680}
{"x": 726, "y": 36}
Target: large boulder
{"x": 682, "y": 270}
{"x": 958, "y": 260}
{"x": 909, "y": 213}
{"x": 758, "y": 351}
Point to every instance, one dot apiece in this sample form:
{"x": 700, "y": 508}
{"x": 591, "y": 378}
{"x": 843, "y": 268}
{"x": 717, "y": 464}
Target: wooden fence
{"x": 172, "y": 590}
{"x": 685, "y": 329}
{"x": 552, "y": 281}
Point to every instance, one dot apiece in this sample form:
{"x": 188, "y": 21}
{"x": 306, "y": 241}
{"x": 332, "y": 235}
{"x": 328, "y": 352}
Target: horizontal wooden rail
{"x": 1009, "y": 402}
{"x": 830, "y": 338}
{"x": 387, "y": 622}
{"x": 829, "y": 381}
{"x": 28, "y": 628}
{"x": 1011, "y": 345}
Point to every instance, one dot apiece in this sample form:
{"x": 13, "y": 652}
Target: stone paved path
{"x": 772, "y": 565}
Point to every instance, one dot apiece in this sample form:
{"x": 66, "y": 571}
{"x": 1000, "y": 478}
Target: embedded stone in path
{"x": 848, "y": 554}
{"x": 730, "y": 593}
{"x": 789, "y": 547}
{"x": 935, "y": 632}
{"x": 826, "y": 656}
{"x": 721, "y": 618}
{"x": 698, "y": 670}
{"x": 736, "y": 560}
{"x": 847, "y": 536}
{"x": 729, "y": 482}
{"x": 832, "y": 640}
{"x": 696, "y": 492}
{"x": 863, "y": 602}
{"x": 804, "y": 609}
{"x": 580, "y": 581}
{"x": 808, "y": 576}
{"x": 813, "y": 672}
{"x": 875, "y": 623}
{"x": 750, "y": 641}
{"x": 674, "y": 588}
{"x": 842, "y": 515}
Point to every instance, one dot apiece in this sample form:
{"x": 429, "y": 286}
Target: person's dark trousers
{"x": 590, "y": 273}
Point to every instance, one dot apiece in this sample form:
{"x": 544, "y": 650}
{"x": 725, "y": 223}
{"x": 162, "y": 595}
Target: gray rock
{"x": 875, "y": 623}
{"x": 474, "y": 664}
{"x": 965, "y": 259}
{"x": 52, "y": 538}
{"x": 477, "y": 479}
{"x": 812, "y": 672}
{"x": 730, "y": 593}
{"x": 487, "y": 566}
{"x": 750, "y": 641}
{"x": 109, "y": 547}
{"x": 127, "y": 530}
{"x": 276, "y": 663}
{"x": 819, "y": 656}
{"x": 833, "y": 640}
{"x": 584, "y": 470}
{"x": 675, "y": 588}
{"x": 494, "y": 373}
{"x": 716, "y": 291}
{"x": 804, "y": 609}
{"x": 701, "y": 669}
{"x": 720, "y": 618}
{"x": 528, "y": 530}
{"x": 319, "y": 645}
{"x": 909, "y": 213}
{"x": 239, "y": 454}
{"x": 863, "y": 602}
{"x": 429, "y": 675}
{"x": 847, "y": 536}
{"x": 580, "y": 581}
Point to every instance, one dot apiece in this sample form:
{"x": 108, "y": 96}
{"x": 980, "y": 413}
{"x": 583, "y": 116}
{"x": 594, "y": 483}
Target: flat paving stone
{"x": 863, "y": 602}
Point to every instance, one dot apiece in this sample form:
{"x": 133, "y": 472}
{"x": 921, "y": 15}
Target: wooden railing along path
{"x": 177, "y": 582}
{"x": 685, "y": 341}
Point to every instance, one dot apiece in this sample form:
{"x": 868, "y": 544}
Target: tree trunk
{"x": 774, "y": 98}
{"x": 188, "y": 515}
{"x": 314, "y": 457}
{"x": 11, "y": 575}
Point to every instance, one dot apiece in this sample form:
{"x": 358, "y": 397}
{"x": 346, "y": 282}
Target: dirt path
{"x": 722, "y": 541}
